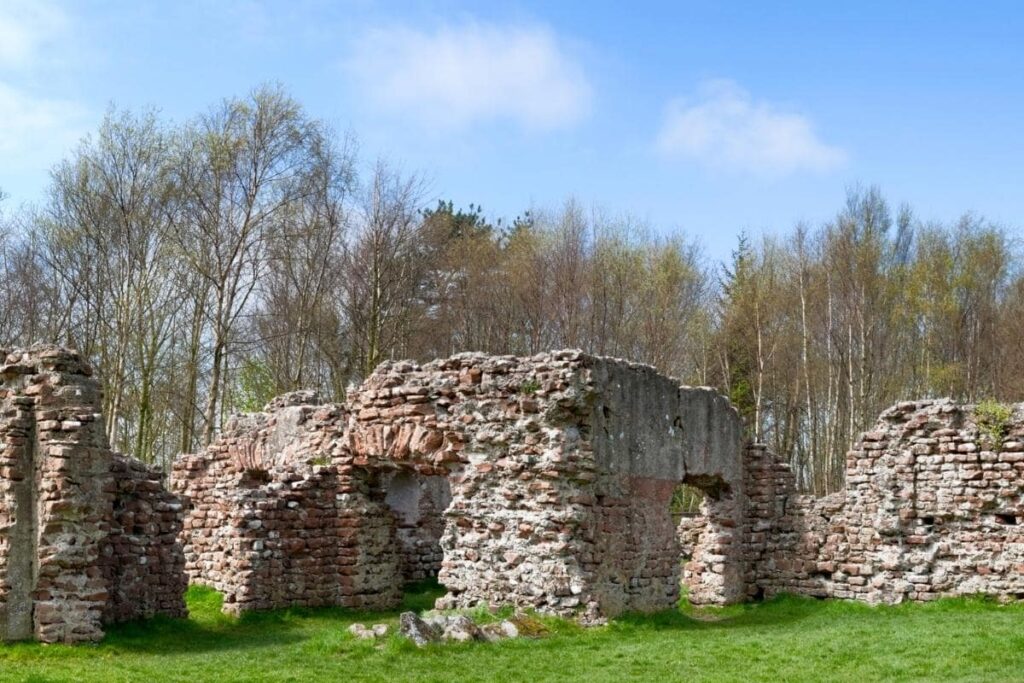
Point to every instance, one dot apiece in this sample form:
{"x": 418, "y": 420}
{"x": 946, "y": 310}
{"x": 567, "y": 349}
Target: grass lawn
{"x": 789, "y": 639}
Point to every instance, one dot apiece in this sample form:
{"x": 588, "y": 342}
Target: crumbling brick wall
{"x": 543, "y": 482}
{"x": 560, "y": 469}
{"x": 60, "y": 577}
{"x": 510, "y": 531}
{"x": 142, "y": 558}
{"x": 278, "y": 517}
{"x": 933, "y": 507}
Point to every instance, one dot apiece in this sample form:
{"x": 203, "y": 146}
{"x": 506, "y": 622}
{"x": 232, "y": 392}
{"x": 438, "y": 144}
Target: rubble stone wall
{"x": 933, "y": 507}
{"x": 542, "y": 482}
{"x": 562, "y": 468}
{"x": 64, "y": 500}
{"x": 142, "y": 558}
{"x": 546, "y": 482}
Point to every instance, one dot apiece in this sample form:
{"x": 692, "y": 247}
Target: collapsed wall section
{"x": 59, "y": 480}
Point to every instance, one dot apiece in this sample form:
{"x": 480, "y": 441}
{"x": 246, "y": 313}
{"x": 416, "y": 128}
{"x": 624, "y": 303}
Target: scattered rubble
{"x": 372, "y": 633}
{"x": 460, "y": 628}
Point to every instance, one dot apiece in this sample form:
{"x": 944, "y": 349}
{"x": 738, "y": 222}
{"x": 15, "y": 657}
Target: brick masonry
{"x": 87, "y": 536}
{"x": 541, "y": 482}
{"x": 934, "y": 507}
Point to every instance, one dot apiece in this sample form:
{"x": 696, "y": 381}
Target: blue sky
{"x": 704, "y": 118}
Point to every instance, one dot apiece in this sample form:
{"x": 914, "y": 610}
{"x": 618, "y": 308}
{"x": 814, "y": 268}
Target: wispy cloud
{"x": 462, "y": 74}
{"x": 27, "y": 27}
{"x": 724, "y": 127}
{"x": 37, "y": 127}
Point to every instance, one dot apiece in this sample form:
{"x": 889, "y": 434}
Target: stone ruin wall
{"x": 499, "y": 429}
{"x": 279, "y": 517}
{"x": 553, "y": 473}
{"x": 933, "y": 507}
{"x": 87, "y": 537}
{"x": 543, "y": 482}
{"x": 141, "y": 555}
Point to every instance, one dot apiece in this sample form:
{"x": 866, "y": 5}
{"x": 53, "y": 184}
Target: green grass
{"x": 785, "y": 639}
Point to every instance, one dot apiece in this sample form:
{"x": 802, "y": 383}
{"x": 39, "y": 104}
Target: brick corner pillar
{"x": 56, "y": 494}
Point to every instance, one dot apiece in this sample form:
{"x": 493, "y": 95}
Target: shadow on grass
{"x": 779, "y": 610}
{"x": 788, "y": 609}
{"x": 207, "y": 629}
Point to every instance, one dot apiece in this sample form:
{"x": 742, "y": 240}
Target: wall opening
{"x": 691, "y": 523}
{"x": 703, "y": 510}
{"x": 418, "y": 503}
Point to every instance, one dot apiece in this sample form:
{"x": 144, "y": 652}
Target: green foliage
{"x": 686, "y": 500}
{"x": 529, "y": 387}
{"x": 255, "y": 386}
{"x": 993, "y": 419}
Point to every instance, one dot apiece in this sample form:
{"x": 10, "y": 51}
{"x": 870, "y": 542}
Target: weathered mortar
{"x": 278, "y": 517}
{"x": 561, "y": 468}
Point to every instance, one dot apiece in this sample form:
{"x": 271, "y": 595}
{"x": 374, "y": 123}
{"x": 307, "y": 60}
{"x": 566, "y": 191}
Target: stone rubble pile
{"x": 460, "y": 628}
{"x": 361, "y": 632}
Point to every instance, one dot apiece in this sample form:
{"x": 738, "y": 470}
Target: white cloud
{"x": 725, "y": 127}
{"x": 27, "y": 27}
{"x": 462, "y": 74}
{"x": 37, "y": 127}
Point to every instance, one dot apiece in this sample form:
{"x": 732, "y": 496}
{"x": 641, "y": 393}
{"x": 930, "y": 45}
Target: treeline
{"x": 207, "y": 266}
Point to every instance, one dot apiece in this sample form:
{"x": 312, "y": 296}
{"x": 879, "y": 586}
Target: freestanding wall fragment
{"x": 562, "y": 468}
{"x": 61, "y": 575}
{"x": 933, "y": 507}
